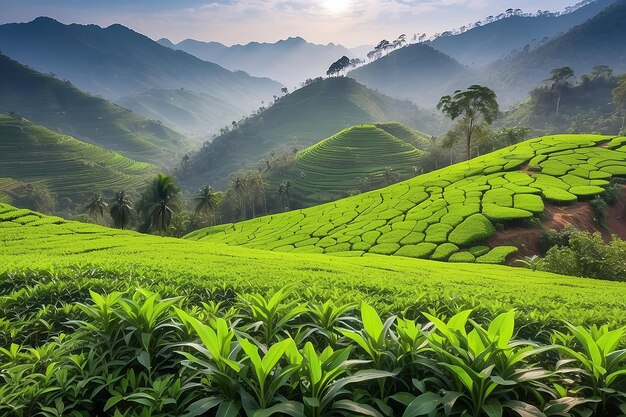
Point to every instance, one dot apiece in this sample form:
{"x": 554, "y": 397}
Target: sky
{"x": 348, "y": 22}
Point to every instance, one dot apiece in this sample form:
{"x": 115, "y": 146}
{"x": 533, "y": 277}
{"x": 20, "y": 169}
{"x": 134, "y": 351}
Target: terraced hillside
{"x": 446, "y": 214}
{"x": 47, "y": 259}
{"x": 301, "y": 119}
{"x": 353, "y": 159}
{"x": 67, "y": 166}
{"x": 63, "y": 108}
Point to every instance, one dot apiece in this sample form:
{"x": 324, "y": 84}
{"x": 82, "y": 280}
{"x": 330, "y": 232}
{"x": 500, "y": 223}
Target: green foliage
{"x": 587, "y": 255}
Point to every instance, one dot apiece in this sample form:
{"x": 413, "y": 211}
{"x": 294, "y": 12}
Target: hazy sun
{"x": 336, "y": 6}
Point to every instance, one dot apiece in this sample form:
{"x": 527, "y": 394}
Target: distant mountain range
{"x": 289, "y": 61}
{"x": 116, "y": 61}
{"x": 60, "y": 106}
{"x": 298, "y": 120}
{"x": 492, "y": 41}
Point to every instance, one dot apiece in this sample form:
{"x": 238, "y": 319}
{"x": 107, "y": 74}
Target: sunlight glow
{"x": 336, "y": 6}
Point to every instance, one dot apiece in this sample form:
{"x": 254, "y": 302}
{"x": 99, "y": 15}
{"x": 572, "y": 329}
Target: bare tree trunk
{"x": 623, "y": 122}
{"x": 558, "y": 103}
{"x": 253, "y": 207}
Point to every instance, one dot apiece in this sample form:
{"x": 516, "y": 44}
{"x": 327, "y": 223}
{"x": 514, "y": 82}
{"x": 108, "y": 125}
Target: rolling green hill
{"x": 47, "y": 259}
{"x": 183, "y": 110}
{"x": 63, "y": 108}
{"x": 446, "y": 214}
{"x": 351, "y": 161}
{"x": 67, "y": 166}
{"x": 301, "y": 119}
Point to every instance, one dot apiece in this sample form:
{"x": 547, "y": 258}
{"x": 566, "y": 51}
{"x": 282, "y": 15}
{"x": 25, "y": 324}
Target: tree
{"x": 256, "y": 188}
{"x": 284, "y": 192}
{"x": 284, "y": 90}
{"x": 38, "y": 198}
{"x": 239, "y": 186}
{"x": 389, "y": 176}
{"x": 160, "y": 199}
{"x": 121, "y": 210}
{"x": 619, "y": 98}
{"x": 207, "y": 202}
{"x": 475, "y": 106}
{"x": 338, "y": 66}
{"x": 96, "y": 206}
{"x": 558, "y": 81}
{"x": 510, "y": 135}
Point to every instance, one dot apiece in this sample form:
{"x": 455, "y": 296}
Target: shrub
{"x": 587, "y": 255}
{"x": 497, "y": 255}
{"x": 598, "y": 205}
{"x": 551, "y": 238}
{"x": 474, "y": 229}
{"x": 443, "y": 252}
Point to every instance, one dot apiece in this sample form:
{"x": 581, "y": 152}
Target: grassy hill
{"x": 47, "y": 259}
{"x": 301, "y": 119}
{"x": 116, "y": 61}
{"x": 417, "y": 72}
{"x": 183, "y": 110}
{"x": 351, "y": 161}
{"x": 446, "y": 214}
{"x": 67, "y": 166}
{"x": 61, "y": 107}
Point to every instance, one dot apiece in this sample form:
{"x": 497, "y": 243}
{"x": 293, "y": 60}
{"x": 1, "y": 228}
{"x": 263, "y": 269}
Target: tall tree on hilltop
{"x": 96, "y": 206}
{"x": 619, "y": 98}
{"x": 558, "y": 81}
{"x": 207, "y": 201}
{"x": 475, "y": 106}
{"x": 160, "y": 199}
{"x": 121, "y": 210}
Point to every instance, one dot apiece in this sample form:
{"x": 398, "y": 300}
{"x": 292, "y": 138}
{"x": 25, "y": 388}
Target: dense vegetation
{"x": 298, "y": 120}
{"x": 64, "y": 165}
{"x": 63, "y": 108}
{"x": 446, "y": 214}
{"x": 354, "y": 160}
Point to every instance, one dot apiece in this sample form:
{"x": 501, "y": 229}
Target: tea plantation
{"x": 341, "y": 164}
{"x": 445, "y": 215}
{"x": 67, "y": 166}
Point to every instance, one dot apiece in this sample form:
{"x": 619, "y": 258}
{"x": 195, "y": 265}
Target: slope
{"x": 417, "y": 71}
{"x": 446, "y": 214}
{"x": 491, "y": 41}
{"x": 599, "y": 41}
{"x": 289, "y": 61}
{"x": 63, "y": 108}
{"x": 301, "y": 119}
{"x": 116, "y": 61}
{"x": 47, "y": 257}
{"x": 186, "y": 111}
{"x": 349, "y": 162}
{"x": 67, "y": 166}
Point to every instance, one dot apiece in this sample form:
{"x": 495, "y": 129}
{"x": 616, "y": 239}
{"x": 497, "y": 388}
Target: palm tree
{"x": 558, "y": 80}
{"x": 239, "y": 185}
{"x": 121, "y": 210}
{"x": 96, "y": 206}
{"x": 284, "y": 192}
{"x": 256, "y": 188}
{"x": 160, "y": 199}
{"x": 207, "y": 202}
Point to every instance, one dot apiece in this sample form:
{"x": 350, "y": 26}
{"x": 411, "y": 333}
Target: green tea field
{"x": 67, "y": 166}
{"x": 446, "y": 214}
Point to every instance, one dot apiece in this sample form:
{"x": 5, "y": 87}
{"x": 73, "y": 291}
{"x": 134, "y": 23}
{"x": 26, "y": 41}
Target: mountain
{"x": 61, "y": 107}
{"x": 116, "y": 62}
{"x": 356, "y": 159}
{"x": 290, "y": 61}
{"x": 196, "y": 114}
{"x": 67, "y": 166}
{"x": 418, "y": 72}
{"x": 461, "y": 213}
{"x": 301, "y": 119}
{"x": 492, "y": 41}
{"x": 599, "y": 41}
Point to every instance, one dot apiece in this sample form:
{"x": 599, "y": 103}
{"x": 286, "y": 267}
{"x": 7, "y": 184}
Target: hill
{"x": 418, "y": 72}
{"x": 599, "y": 41}
{"x": 289, "y": 61}
{"x": 116, "y": 61}
{"x": 61, "y": 107}
{"x": 300, "y": 119}
{"x": 65, "y": 165}
{"x": 354, "y": 160}
{"x": 186, "y": 111}
{"x": 61, "y": 260}
{"x": 491, "y": 41}
{"x": 447, "y": 214}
